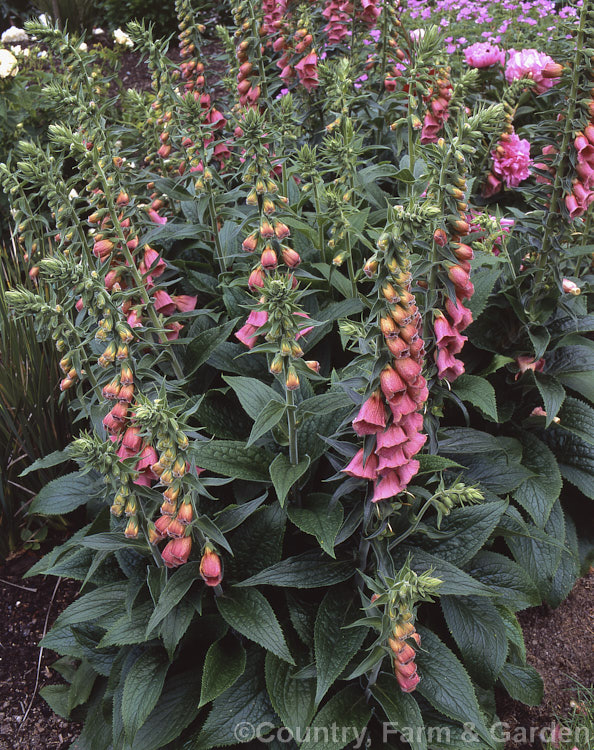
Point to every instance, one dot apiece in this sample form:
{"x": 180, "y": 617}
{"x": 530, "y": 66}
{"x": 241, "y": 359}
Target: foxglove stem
{"x": 563, "y": 151}
{"x": 351, "y": 267}
{"x": 213, "y": 220}
{"x": 317, "y": 204}
{"x": 292, "y": 427}
{"x": 432, "y": 292}
{"x": 134, "y": 271}
{"x": 415, "y": 525}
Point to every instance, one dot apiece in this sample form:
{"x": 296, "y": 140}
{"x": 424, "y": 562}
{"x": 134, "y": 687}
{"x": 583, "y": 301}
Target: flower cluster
{"x": 511, "y": 161}
{"x": 8, "y": 64}
{"x": 530, "y": 63}
{"x": 390, "y": 415}
{"x": 484, "y": 55}
{"x": 437, "y": 111}
{"x": 582, "y": 190}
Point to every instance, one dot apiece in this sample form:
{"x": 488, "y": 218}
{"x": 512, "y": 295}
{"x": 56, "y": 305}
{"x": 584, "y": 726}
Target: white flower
{"x": 44, "y": 19}
{"x": 72, "y": 194}
{"x": 98, "y": 31}
{"x": 122, "y": 38}
{"x": 14, "y": 34}
{"x": 26, "y": 52}
{"x": 16, "y": 49}
{"x": 8, "y": 64}
{"x": 83, "y": 47}
{"x": 42, "y": 54}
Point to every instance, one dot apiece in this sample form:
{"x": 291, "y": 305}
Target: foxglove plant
{"x": 287, "y": 515}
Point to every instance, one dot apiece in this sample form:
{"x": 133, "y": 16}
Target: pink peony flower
{"x": 511, "y": 160}
{"x": 529, "y": 63}
{"x": 483, "y": 55}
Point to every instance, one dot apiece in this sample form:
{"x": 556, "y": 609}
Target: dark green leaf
{"x": 250, "y": 614}
{"x": 224, "y": 664}
{"x": 402, "y": 711}
{"x": 306, "y": 571}
{"x": 253, "y": 395}
{"x": 477, "y": 391}
{"x": 334, "y": 644}
{"x": 506, "y": 578}
{"x": 480, "y": 634}
{"x": 284, "y": 475}
{"x": 204, "y": 344}
{"x": 53, "y": 459}
{"x": 522, "y": 683}
{"x": 319, "y": 516}
{"x": 484, "y": 281}
{"x": 233, "y": 459}
{"x": 538, "y": 493}
{"x": 175, "y": 588}
{"x": 142, "y": 688}
{"x": 431, "y": 463}
{"x": 293, "y": 699}
{"x": 93, "y": 605}
{"x": 342, "y": 720}
{"x": 454, "y": 580}
{"x": 470, "y": 528}
{"x": 551, "y": 392}
{"x": 241, "y": 714}
{"x": 446, "y": 685}
{"x": 270, "y": 415}
{"x": 234, "y": 515}
{"x": 65, "y": 493}
{"x": 578, "y": 417}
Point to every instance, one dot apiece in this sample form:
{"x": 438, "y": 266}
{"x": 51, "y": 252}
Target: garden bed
{"x": 559, "y": 644}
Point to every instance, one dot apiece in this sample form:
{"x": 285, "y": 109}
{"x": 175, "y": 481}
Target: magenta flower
{"x": 483, "y": 55}
{"x": 530, "y": 63}
{"x": 511, "y": 160}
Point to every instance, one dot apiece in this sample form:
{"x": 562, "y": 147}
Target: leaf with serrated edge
{"x": 320, "y": 517}
{"x": 284, "y": 475}
{"x": 504, "y": 577}
{"x": 477, "y": 391}
{"x": 307, "y": 571}
{"x": 522, "y": 683}
{"x": 223, "y": 665}
{"x": 334, "y": 644}
{"x": 446, "y": 684}
{"x": 402, "y": 711}
{"x": 142, "y": 688}
{"x": 248, "y": 611}
{"x": 342, "y": 720}
{"x": 253, "y": 395}
{"x": 175, "y": 588}
{"x": 232, "y": 458}
{"x": 538, "y": 493}
{"x": 480, "y": 634}
{"x": 293, "y": 699}
{"x": 64, "y": 494}
{"x": 244, "y": 705}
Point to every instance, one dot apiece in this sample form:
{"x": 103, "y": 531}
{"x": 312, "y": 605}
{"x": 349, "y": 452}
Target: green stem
{"x": 351, "y": 266}
{"x": 292, "y": 427}
{"x": 213, "y": 220}
{"x": 321, "y": 239}
{"x": 432, "y": 290}
{"x": 414, "y": 527}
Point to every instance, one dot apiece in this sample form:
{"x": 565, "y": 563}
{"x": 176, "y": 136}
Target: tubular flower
{"x": 177, "y": 551}
{"x": 210, "y": 567}
{"x": 391, "y": 412}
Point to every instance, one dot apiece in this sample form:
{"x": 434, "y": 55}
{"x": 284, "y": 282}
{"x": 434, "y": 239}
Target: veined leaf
{"x": 284, "y": 475}
{"x": 233, "y": 459}
{"x": 479, "y": 392}
{"x": 65, "y": 493}
{"x": 224, "y": 664}
{"x": 401, "y": 710}
{"x": 142, "y": 688}
{"x": 175, "y": 588}
{"x": 334, "y": 645}
{"x": 320, "y": 517}
{"x": 250, "y": 614}
{"x": 293, "y": 699}
{"x": 538, "y": 493}
{"x": 306, "y": 571}
{"x": 347, "y": 710}
{"x": 522, "y": 683}
{"x": 204, "y": 344}
{"x": 253, "y": 395}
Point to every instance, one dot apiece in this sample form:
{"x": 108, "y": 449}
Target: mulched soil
{"x": 560, "y": 645}
{"x": 21, "y": 628}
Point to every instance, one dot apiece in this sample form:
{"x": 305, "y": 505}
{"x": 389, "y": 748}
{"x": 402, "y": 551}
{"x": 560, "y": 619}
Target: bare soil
{"x": 560, "y": 645}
